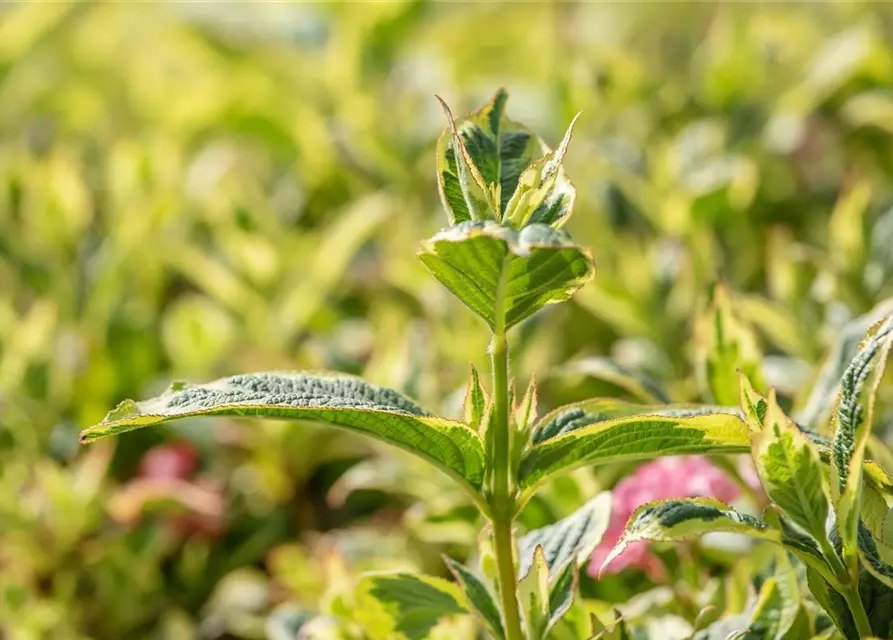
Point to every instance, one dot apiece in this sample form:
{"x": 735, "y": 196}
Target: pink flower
{"x": 673, "y": 477}
{"x": 170, "y": 460}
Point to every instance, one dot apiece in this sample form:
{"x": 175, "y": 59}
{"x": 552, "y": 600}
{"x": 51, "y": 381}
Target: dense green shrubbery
{"x": 190, "y": 193}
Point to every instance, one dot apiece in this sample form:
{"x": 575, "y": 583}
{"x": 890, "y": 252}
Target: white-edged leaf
{"x": 827, "y": 384}
{"x": 533, "y": 595}
{"x": 482, "y": 160}
{"x": 479, "y": 597}
{"x": 570, "y": 540}
{"x": 686, "y": 518}
{"x": 790, "y": 470}
{"x": 637, "y": 437}
{"x": 562, "y": 592}
{"x": 585, "y": 413}
{"x": 851, "y": 424}
{"x": 343, "y": 401}
{"x": 505, "y": 275}
{"x": 544, "y": 193}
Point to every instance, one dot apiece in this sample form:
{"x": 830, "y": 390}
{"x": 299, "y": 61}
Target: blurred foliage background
{"x": 191, "y": 190}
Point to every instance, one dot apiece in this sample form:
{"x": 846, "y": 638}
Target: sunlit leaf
{"x": 533, "y": 594}
{"x": 339, "y": 400}
{"x": 490, "y": 167}
{"x": 789, "y": 469}
{"x": 475, "y": 401}
{"x": 851, "y": 423}
{"x": 414, "y": 603}
{"x": 544, "y": 194}
{"x": 827, "y": 385}
{"x": 638, "y": 437}
{"x": 686, "y": 518}
{"x": 504, "y": 275}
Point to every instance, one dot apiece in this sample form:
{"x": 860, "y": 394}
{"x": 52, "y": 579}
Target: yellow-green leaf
{"x": 505, "y": 275}
{"x": 638, "y": 437}
{"x": 343, "y": 401}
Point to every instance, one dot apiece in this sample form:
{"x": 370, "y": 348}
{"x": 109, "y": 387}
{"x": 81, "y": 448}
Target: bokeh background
{"x": 191, "y": 190}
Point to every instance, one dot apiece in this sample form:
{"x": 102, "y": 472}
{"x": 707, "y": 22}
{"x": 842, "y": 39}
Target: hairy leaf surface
{"x": 827, "y": 385}
{"x": 638, "y": 437}
{"x": 851, "y": 422}
{"x": 505, "y": 275}
{"x": 339, "y": 400}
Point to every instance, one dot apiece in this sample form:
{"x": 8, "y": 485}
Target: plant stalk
{"x": 502, "y": 506}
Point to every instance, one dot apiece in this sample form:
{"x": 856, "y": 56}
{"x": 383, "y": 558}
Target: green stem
{"x": 848, "y": 587}
{"x": 502, "y": 507}
{"x": 851, "y": 595}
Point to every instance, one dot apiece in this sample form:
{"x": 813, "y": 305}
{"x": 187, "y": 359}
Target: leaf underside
{"x": 342, "y": 401}
{"x": 505, "y": 275}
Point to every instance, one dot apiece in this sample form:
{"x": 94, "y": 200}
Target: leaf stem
{"x": 502, "y": 501}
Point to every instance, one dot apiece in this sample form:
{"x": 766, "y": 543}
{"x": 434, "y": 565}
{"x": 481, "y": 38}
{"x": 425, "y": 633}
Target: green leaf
{"x": 790, "y": 470}
{"x": 544, "y": 599}
{"x": 639, "y": 437}
{"x": 475, "y": 401}
{"x": 832, "y": 602}
{"x": 462, "y": 187}
{"x": 524, "y": 414}
{"x": 686, "y": 518}
{"x": 482, "y": 158}
{"x": 561, "y": 595}
{"x": 479, "y": 597}
{"x": 724, "y": 345}
{"x": 544, "y": 194}
{"x": 343, "y": 401}
{"x": 533, "y": 595}
{"x": 413, "y": 603}
{"x": 504, "y": 275}
{"x": 778, "y": 614}
{"x": 827, "y": 385}
{"x": 577, "y": 415}
{"x": 568, "y": 541}
{"x": 871, "y": 558}
{"x": 851, "y": 424}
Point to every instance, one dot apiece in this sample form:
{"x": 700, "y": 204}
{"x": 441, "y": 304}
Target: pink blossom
{"x": 672, "y": 477}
